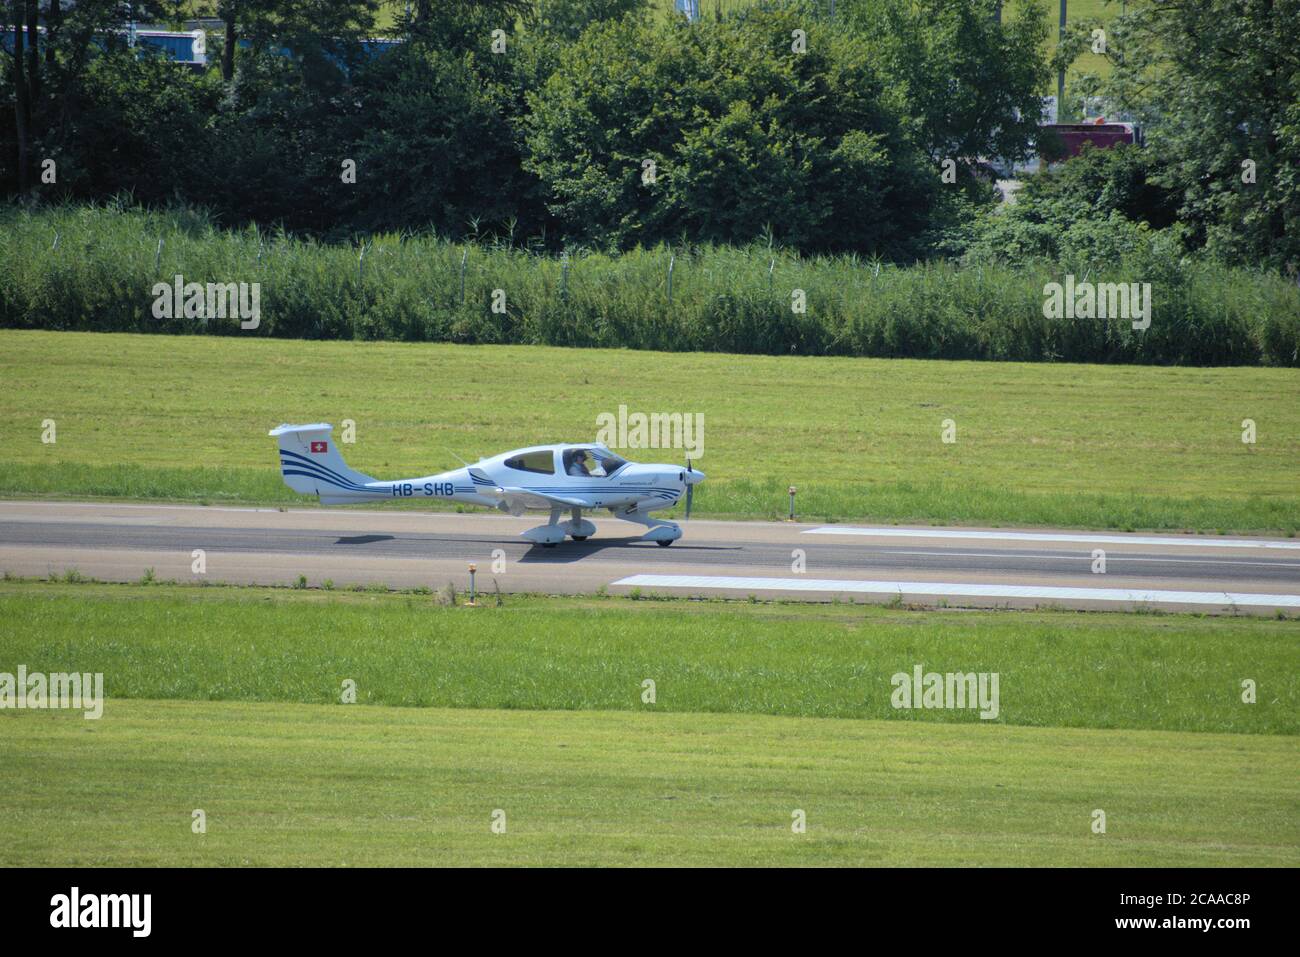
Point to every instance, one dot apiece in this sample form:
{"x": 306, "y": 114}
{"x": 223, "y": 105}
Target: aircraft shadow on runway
{"x": 364, "y": 539}
{"x": 562, "y": 554}
{"x": 576, "y": 551}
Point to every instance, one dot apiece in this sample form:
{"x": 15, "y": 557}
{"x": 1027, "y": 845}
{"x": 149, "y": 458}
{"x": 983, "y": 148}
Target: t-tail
{"x": 310, "y": 463}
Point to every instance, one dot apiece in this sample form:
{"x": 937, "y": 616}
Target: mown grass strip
{"x": 287, "y": 784}
{"x": 151, "y": 417}
{"x": 1171, "y": 672}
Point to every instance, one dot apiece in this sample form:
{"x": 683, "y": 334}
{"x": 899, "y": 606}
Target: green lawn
{"x": 284, "y": 784}
{"x": 1063, "y": 669}
{"x": 536, "y": 709}
{"x": 177, "y": 417}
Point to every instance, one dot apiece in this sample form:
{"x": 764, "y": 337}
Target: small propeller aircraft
{"x": 558, "y": 478}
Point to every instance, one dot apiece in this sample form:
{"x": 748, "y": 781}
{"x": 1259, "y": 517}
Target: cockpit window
{"x": 590, "y": 463}
{"x": 578, "y": 462}
{"x": 608, "y": 462}
{"x": 542, "y": 462}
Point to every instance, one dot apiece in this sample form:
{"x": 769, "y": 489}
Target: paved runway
{"x": 955, "y": 567}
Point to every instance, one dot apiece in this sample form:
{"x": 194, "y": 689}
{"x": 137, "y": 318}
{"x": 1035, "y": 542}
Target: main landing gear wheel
{"x": 579, "y": 538}
{"x": 549, "y": 544}
{"x": 664, "y": 544}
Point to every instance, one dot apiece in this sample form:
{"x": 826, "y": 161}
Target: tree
{"x": 136, "y": 124}
{"x": 721, "y": 131}
{"x": 972, "y": 81}
{"x": 506, "y": 12}
{"x": 566, "y": 19}
{"x": 330, "y": 27}
{"x": 43, "y": 88}
{"x": 1106, "y": 200}
{"x": 434, "y": 147}
{"x": 33, "y": 15}
{"x": 228, "y": 11}
{"x": 1217, "y": 84}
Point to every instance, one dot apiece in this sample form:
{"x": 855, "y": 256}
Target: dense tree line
{"x": 595, "y": 122}
{"x": 607, "y": 124}
{"x": 1217, "y": 84}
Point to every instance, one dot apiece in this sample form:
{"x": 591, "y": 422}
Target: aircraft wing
{"x": 518, "y": 499}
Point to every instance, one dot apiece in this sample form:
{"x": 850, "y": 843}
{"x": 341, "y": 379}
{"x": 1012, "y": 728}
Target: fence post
{"x": 672, "y": 261}
{"x": 564, "y": 276}
{"x": 157, "y": 256}
{"x": 463, "y": 259}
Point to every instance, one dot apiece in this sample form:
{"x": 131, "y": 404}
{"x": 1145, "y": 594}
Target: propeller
{"x": 690, "y": 489}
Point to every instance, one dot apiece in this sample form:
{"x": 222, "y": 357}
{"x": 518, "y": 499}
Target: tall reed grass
{"x": 94, "y": 268}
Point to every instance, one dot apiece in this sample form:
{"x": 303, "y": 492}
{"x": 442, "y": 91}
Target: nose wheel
{"x": 664, "y": 544}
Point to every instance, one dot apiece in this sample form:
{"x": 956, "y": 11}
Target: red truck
{"x": 1099, "y": 133}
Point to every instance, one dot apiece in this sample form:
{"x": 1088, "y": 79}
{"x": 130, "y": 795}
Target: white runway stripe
{"x": 964, "y": 590}
{"x": 1189, "y": 541}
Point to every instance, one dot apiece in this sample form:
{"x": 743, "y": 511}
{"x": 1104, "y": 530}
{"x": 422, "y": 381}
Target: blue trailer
{"x": 188, "y": 48}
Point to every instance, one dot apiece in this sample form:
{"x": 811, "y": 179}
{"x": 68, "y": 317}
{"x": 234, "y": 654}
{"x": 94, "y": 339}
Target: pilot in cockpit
{"x": 577, "y": 463}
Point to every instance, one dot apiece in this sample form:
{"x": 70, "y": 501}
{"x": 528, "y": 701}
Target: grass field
{"x": 319, "y": 785}
{"x": 185, "y": 418}
{"x": 1168, "y": 672}
{"x": 761, "y": 710}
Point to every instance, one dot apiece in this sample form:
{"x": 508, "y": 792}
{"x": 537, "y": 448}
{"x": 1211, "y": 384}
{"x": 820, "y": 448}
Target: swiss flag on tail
{"x": 320, "y": 447}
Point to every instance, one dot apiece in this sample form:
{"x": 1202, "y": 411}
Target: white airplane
{"x": 558, "y": 478}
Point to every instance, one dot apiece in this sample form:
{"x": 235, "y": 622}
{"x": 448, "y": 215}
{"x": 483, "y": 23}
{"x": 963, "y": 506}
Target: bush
{"x": 1100, "y": 206}
{"x": 433, "y": 145}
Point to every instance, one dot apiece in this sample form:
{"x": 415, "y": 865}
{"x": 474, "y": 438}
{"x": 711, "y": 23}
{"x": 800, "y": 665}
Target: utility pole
{"x": 1060, "y": 76}
{"x": 22, "y": 102}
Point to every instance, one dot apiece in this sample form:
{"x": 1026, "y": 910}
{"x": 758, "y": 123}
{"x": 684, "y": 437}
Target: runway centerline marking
{"x": 963, "y": 590}
{"x": 1189, "y": 541}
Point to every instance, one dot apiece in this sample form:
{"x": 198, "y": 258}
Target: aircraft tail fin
{"x": 310, "y": 463}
